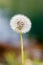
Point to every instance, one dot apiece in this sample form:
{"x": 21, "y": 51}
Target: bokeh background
{"x": 9, "y": 40}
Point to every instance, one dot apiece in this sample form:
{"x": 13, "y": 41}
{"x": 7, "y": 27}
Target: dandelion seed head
{"x": 20, "y": 23}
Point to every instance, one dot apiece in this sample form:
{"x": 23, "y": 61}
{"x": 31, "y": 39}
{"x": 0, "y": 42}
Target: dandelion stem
{"x": 22, "y": 54}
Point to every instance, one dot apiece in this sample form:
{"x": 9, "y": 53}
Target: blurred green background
{"x": 31, "y": 8}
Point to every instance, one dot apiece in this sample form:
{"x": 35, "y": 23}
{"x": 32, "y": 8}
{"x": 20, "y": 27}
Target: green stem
{"x": 22, "y": 54}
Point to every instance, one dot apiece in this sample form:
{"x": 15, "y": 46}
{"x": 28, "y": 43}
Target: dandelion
{"x": 21, "y": 24}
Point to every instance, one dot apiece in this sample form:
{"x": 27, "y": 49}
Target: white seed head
{"x": 20, "y": 23}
